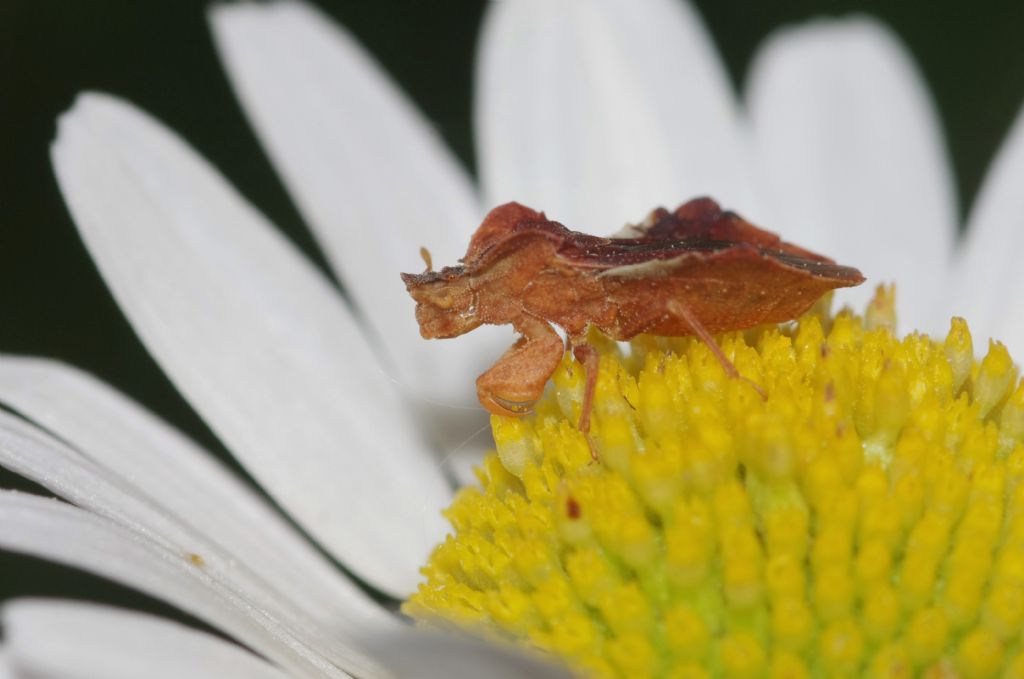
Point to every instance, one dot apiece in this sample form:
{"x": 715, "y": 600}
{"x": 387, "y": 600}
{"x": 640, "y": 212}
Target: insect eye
{"x": 444, "y": 301}
{"x": 450, "y": 297}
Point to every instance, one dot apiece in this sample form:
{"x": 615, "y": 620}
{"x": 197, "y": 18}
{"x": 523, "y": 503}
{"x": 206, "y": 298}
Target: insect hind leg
{"x": 681, "y": 311}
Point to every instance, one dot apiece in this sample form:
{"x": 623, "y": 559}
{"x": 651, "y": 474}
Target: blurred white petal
{"x": 597, "y": 112}
{"x": 852, "y": 151}
{"x": 989, "y": 285}
{"x": 368, "y": 173}
{"x": 122, "y": 442}
{"x": 425, "y": 655}
{"x": 53, "y": 530}
{"x": 254, "y": 337}
{"x": 66, "y": 640}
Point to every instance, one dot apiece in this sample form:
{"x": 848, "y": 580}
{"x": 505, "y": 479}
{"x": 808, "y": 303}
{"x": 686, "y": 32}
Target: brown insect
{"x": 695, "y": 271}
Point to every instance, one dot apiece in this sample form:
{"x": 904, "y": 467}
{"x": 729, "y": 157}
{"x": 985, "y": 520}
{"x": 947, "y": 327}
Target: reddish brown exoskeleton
{"x": 695, "y": 271}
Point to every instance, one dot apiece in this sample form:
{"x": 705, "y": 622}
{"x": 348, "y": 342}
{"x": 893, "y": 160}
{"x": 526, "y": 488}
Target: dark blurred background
{"x": 158, "y": 54}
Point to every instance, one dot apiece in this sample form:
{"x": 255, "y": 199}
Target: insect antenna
{"x": 425, "y": 254}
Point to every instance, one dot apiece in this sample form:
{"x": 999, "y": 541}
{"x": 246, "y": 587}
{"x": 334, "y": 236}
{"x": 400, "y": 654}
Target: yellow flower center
{"x": 866, "y": 519}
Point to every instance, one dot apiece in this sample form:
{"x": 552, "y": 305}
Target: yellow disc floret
{"x": 865, "y": 519}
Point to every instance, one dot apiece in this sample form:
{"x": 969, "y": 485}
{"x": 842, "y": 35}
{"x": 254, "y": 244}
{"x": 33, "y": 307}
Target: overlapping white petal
{"x": 35, "y": 455}
{"x": 254, "y": 338}
{"x": 139, "y": 456}
{"x": 852, "y": 153}
{"x": 989, "y": 282}
{"x": 64, "y": 640}
{"x": 58, "y": 532}
{"x": 370, "y": 176}
{"x": 597, "y": 112}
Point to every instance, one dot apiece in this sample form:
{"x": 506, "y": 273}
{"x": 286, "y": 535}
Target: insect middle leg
{"x": 681, "y": 311}
{"x": 588, "y": 356}
{"x": 513, "y": 384}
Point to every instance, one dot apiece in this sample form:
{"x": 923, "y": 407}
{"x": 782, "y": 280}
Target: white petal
{"x": 32, "y": 453}
{"x": 368, "y": 173}
{"x": 849, "y": 142}
{"x": 416, "y": 653}
{"x": 988, "y": 287}
{"x": 254, "y": 338}
{"x": 151, "y": 460}
{"x": 84, "y": 641}
{"x": 56, "y": 531}
{"x": 597, "y": 112}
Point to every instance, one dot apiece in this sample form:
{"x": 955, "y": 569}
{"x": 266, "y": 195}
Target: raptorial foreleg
{"x": 513, "y": 384}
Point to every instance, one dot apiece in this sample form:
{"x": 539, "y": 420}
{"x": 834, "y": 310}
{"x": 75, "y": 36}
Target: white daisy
{"x": 594, "y": 112}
